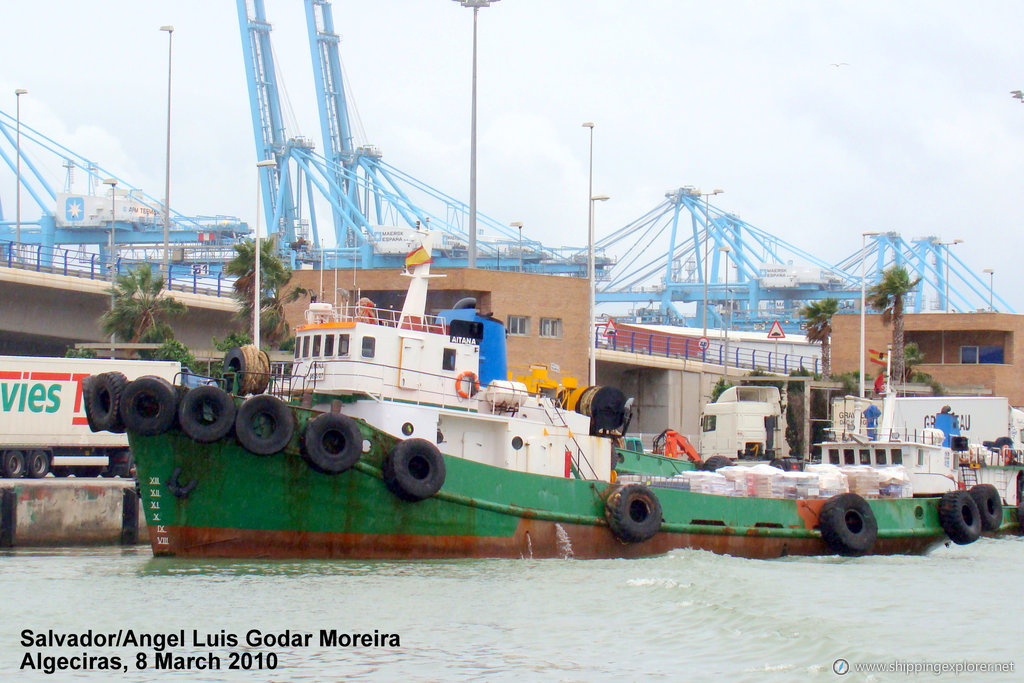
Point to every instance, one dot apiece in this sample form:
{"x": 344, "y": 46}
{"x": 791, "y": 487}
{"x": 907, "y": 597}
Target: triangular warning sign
{"x": 776, "y": 331}
{"x": 609, "y": 330}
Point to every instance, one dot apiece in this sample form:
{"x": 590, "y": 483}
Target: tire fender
{"x": 990, "y": 506}
{"x": 103, "y": 402}
{"x": 149, "y": 405}
{"x": 414, "y": 470}
{"x": 332, "y": 443}
{"x": 848, "y": 525}
{"x": 264, "y": 425}
{"x": 633, "y": 513}
{"x": 207, "y": 414}
{"x": 959, "y": 517}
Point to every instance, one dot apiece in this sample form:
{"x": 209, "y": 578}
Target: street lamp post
{"x": 110, "y": 249}
{"x": 17, "y": 98}
{"x": 519, "y": 224}
{"x": 863, "y": 301}
{"x": 167, "y": 168}
{"x": 948, "y": 245}
{"x": 707, "y": 239}
{"x": 591, "y": 293}
{"x": 257, "y": 298}
{"x": 991, "y": 276}
{"x": 476, "y": 5}
{"x": 728, "y": 306}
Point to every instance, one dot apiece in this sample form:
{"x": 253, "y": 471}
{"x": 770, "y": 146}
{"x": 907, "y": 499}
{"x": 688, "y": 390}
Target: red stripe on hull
{"x": 533, "y": 539}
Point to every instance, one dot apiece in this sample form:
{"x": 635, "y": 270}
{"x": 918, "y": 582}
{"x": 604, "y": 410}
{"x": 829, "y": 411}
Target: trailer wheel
{"x": 149, "y": 406}
{"x": 13, "y": 464}
{"x": 264, "y": 425}
{"x": 103, "y": 402}
{"x": 207, "y": 414}
{"x": 714, "y": 462}
{"x": 990, "y": 506}
{"x": 37, "y": 464}
{"x": 959, "y": 517}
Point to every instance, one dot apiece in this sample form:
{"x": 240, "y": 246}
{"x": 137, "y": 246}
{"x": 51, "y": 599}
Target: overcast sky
{"x": 914, "y": 132}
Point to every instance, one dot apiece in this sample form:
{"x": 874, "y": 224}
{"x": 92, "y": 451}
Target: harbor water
{"x": 688, "y": 615}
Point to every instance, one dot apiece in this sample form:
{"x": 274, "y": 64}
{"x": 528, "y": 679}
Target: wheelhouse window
{"x": 369, "y": 347}
{"x": 305, "y": 347}
{"x": 865, "y": 456}
{"x": 897, "y": 456}
{"x": 849, "y": 457}
{"x": 551, "y": 327}
{"x": 448, "y": 359}
{"x": 342, "y": 344}
{"x": 316, "y": 345}
{"x": 519, "y": 325}
{"x": 833, "y": 456}
{"x": 328, "y": 346}
{"x": 880, "y": 457}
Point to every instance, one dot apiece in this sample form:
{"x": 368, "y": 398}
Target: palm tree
{"x": 888, "y": 296}
{"x": 274, "y": 277}
{"x": 141, "y": 310}
{"x": 818, "y": 315}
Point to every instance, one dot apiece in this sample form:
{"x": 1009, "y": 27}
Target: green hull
{"x": 244, "y": 505}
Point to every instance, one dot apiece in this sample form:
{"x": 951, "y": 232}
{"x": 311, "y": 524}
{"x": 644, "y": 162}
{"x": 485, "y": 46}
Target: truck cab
{"x": 745, "y": 422}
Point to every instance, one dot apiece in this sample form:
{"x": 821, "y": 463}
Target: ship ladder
{"x": 968, "y": 475}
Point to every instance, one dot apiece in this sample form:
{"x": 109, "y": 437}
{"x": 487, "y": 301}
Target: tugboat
{"x": 400, "y": 435}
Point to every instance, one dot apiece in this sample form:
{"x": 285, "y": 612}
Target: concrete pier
{"x": 69, "y": 512}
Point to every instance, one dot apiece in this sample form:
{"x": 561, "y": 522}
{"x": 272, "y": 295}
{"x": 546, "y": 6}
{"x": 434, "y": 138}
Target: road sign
{"x": 776, "y": 332}
{"x": 703, "y": 343}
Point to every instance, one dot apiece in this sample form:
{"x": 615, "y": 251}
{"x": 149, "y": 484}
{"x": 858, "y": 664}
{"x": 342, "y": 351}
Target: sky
{"x": 914, "y": 131}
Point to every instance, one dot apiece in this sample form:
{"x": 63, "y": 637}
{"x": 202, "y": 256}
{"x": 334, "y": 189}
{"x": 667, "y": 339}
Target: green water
{"x": 684, "y": 616}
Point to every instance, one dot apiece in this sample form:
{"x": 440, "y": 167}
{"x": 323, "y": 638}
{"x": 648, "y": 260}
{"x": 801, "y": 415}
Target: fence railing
{"x": 60, "y": 261}
{"x": 687, "y": 348}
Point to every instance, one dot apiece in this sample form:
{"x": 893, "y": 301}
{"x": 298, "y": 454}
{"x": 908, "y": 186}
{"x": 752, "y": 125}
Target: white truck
{"x": 980, "y": 418}
{"x": 43, "y": 427}
{"x": 745, "y": 422}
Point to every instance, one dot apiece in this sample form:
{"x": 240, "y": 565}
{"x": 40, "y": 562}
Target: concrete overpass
{"x": 43, "y": 313}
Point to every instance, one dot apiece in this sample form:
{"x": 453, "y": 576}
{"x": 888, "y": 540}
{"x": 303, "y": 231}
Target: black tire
{"x": 848, "y": 525}
{"x": 959, "y": 517}
{"x": 103, "y": 403}
{"x": 37, "y": 464}
{"x": 1020, "y": 515}
{"x": 1020, "y": 487}
{"x": 990, "y": 506}
{"x": 12, "y": 463}
{"x": 780, "y": 463}
{"x": 633, "y": 513}
{"x": 251, "y": 368}
{"x": 88, "y": 399}
{"x": 714, "y": 462}
{"x": 414, "y": 470}
{"x": 264, "y": 425}
{"x": 207, "y": 414}
{"x": 332, "y": 443}
{"x": 149, "y": 405}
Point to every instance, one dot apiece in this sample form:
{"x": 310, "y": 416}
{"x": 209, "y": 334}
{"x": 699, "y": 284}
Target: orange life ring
{"x": 474, "y": 384}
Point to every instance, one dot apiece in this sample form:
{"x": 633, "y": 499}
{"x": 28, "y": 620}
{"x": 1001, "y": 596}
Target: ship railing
{"x": 368, "y": 313}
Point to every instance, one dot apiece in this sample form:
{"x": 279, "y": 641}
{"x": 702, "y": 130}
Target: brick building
{"x": 968, "y": 353}
{"x": 545, "y": 315}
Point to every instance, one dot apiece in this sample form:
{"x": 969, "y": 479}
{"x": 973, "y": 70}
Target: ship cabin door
{"x": 410, "y": 362}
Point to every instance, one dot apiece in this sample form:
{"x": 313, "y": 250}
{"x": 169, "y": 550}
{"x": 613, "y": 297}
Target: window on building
{"x": 519, "y": 325}
{"x": 551, "y": 327}
{"x": 448, "y": 359}
{"x": 971, "y": 355}
{"x": 369, "y": 347}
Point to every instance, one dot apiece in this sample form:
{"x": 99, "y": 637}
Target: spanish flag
{"x": 417, "y": 257}
{"x": 878, "y": 357}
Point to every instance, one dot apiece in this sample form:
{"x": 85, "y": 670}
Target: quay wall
{"x": 69, "y": 512}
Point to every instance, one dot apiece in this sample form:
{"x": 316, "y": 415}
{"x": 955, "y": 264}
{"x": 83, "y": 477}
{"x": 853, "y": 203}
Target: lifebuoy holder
{"x": 474, "y": 384}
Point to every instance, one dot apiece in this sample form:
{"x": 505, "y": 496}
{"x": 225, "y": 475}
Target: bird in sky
{"x": 837, "y": 65}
